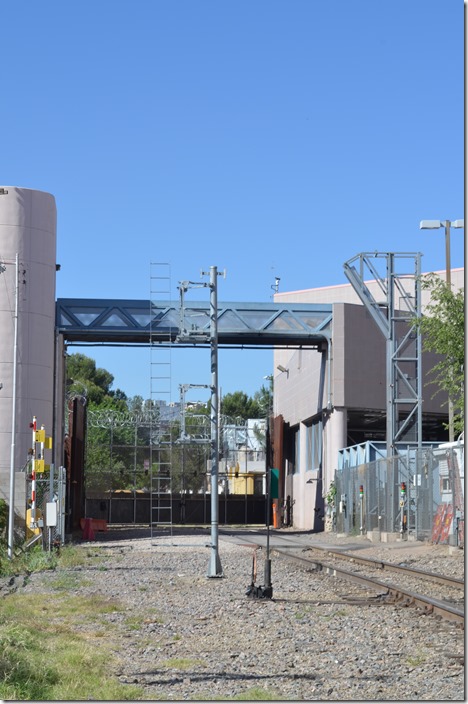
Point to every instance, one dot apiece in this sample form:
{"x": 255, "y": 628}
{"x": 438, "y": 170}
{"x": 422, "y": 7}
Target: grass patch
{"x": 256, "y": 694}
{"x": 335, "y": 614}
{"x": 182, "y": 663}
{"x": 416, "y": 660}
{"x": 134, "y": 623}
{"x": 38, "y": 560}
{"x": 34, "y": 560}
{"x": 69, "y": 580}
{"x": 43, "y": 655}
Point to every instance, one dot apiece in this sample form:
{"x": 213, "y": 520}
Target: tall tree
{"x": 264, "y": 398}
{"x": 443, "y": 329}
{"x": 94, "y": 382}
{"x": 240, "y": 405}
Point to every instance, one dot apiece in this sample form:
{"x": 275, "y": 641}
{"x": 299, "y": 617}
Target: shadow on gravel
{"x": 117, "y": 533}
{"x": 214, "y": 676}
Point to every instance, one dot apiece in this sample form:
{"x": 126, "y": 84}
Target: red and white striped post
{"x": 33, "y": 475}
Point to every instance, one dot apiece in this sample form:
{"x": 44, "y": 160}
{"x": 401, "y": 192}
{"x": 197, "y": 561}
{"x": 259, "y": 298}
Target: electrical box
{"x": 51, "y": 514}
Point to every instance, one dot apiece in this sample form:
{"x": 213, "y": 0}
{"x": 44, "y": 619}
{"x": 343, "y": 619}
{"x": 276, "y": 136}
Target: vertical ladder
{"x": 161, "y": 430}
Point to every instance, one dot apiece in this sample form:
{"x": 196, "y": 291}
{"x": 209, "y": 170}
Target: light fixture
{"x": 435, "y": 224}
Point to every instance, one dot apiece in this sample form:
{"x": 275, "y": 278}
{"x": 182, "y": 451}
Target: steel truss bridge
{"x": 133, "y": 322}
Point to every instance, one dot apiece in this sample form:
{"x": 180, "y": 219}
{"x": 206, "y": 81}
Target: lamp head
{"x": 430, "y": 224}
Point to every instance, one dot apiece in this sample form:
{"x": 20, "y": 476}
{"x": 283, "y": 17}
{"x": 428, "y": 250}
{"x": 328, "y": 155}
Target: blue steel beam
{"x": 145, "y": 322}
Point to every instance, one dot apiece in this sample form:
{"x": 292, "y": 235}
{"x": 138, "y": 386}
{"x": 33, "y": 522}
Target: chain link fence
{"x": 45, "y": 517}
{"x": 130, "y": 458}
{"x": 419, "y": 494}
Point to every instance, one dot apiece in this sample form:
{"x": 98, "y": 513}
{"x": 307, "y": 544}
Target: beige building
{"x": 334, "y": 398}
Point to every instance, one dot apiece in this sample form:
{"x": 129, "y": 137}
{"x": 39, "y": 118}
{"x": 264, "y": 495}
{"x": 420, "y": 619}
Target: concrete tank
{"x": 28, "y": 220}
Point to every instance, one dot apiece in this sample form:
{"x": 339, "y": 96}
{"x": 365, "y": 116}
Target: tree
{"x": 264, "y": 398}
{"x": 239, "y": 405}
{"x": 443, "y": 330}
{"x": 93, "y": 382}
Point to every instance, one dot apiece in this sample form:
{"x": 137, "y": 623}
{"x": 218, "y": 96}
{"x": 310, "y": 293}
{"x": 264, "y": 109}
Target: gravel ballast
{"x": 182, "y": 635}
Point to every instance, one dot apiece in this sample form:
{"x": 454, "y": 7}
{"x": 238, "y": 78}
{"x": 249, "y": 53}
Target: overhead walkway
{"x": 239, "y": 324}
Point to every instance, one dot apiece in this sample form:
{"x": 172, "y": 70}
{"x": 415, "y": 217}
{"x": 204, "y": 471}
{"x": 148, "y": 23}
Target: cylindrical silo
{"x": 28, "y": 220}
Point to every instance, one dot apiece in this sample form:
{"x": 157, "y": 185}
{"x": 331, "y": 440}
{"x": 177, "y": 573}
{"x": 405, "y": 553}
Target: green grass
{"x": 45, "y": 657}
{"x": 33, "y": 560}
{"x": 256, "y": 694}
{"x": 38, "y": 560}
{"x": 416, "y": 660}
{"x": 69, "y": 580}
{"x": 182, "y": 663}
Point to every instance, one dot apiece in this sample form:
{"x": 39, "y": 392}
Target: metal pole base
{"x": 261, "y": 592}
{"x": 214, "y": 566}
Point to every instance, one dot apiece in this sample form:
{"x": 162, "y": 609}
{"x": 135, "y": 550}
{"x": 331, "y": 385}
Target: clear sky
{"x": 265, "y": 137}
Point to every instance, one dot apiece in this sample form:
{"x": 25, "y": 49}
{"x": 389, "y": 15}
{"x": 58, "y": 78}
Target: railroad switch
{"x": 260, "y": 592}
{"x": 266, "y": 590}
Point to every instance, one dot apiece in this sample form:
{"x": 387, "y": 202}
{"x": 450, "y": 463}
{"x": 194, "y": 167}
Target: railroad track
{"x": 413, "y": 582}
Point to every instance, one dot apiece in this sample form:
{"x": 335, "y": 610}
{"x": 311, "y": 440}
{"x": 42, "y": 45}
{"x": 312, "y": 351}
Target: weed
{"x": 35, "y": 628}
{"x": 416, "y": 660}
{"x": 134, "y": 623}
{"x": 38, "y": 560}
{"x": 69, "y": 580}
{"x": 257, "y": 694}
{"x": 35, "y": 560}
{"x": 182, "y": 663}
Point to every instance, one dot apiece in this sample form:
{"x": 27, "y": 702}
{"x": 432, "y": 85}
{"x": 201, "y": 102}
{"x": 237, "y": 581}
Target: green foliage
{"x": 239, "y": 405}
{"x": 3, "y": 519}
{"x": 264, "y": 399}
{"x": 25, "y": 562}
{"x": 443, "y": 330}
{"x": 35, "y": 559}
{"x": 331, "y": 494}
{"x": 94, "y": 383}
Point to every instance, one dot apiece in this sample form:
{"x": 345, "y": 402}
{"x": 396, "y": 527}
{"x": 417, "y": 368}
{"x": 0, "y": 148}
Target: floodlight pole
{"x": 446, "y": 224}
{"x": 448, "y": 280}
{"x": 214, "y": 567}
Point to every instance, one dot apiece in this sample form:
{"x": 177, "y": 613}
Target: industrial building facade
{"x": 332, "y": 398}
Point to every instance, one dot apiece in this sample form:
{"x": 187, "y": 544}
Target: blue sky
{"x": 267, "y": 138}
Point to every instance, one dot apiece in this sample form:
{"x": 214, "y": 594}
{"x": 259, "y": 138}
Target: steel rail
{"x": 392, "y": 567}
{"x": 398, "y": 594}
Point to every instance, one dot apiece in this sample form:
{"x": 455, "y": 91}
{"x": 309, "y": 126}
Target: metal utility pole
{"x": 214, "y": 567}
{"x": 11, "y": 513}
{"x": 194, "y": 335}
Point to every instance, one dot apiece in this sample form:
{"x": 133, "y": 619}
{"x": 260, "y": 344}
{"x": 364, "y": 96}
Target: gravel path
{"x": 185, "y": 636}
